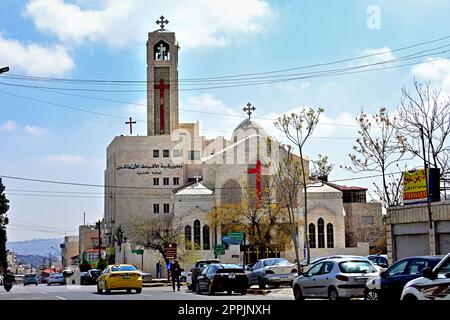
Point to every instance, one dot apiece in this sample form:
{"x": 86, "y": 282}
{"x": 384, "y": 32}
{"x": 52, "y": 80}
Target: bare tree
{"x": 156, "y": 231}
{"x": 288, "y": 178}
{"x": 425, "y": 109}
{"x": 379, "y": 148}
{"x": 322, "y": 167}
{"x": 298, "y": 127}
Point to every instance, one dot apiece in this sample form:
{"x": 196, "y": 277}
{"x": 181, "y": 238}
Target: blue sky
{"x": 105, "y": 39}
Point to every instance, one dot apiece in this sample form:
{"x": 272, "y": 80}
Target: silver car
{"x": 56, "y": 278}
{"x": 272, "y": 271}
{"x": 334, "y": 278}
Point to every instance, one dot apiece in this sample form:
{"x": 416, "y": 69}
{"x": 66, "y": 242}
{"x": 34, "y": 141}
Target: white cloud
{"x": 8, "y": 126}
{"x": 34, "y": 59}
{"x": 438, "y": 71}
{"x": 35, "y": 131}
{"x": 66, "y": 159}
{"x": 198, "y": 23}
{"x": 374, "y": 56}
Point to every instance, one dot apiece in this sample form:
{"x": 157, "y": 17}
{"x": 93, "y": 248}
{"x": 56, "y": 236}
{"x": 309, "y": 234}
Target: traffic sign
{"x": 138, "y": 251}
{"x": 219, "y": 249}
{"x": 236, "y": 235}
{"x": 170, "y": 251}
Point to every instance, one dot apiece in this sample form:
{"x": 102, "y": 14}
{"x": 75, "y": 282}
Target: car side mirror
{"x": 428, "y": 273}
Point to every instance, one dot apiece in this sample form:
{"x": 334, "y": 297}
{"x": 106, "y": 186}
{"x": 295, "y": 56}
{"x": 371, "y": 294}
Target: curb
{"x": 259, "y": 291}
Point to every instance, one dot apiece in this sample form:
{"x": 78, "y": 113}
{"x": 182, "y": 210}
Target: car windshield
{"x": 96, "y": 272}
{"x": 30, "y": 275}
{"x": 123, "y": 268}
{"x": 356, "y": 267}
{"x": 56, "y": 275}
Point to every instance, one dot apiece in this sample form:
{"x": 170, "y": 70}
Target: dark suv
{"x": 389, "y": 284}
{"x": 197, "y": 269}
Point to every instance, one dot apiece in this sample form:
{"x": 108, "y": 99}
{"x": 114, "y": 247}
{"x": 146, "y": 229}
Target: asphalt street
{"x": 75, "y": 292}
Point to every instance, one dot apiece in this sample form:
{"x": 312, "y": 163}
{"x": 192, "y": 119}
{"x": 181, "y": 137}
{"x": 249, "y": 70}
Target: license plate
{"x": 126, "y": 276}
{"x": 232, "y": 276}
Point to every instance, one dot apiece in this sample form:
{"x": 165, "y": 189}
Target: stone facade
{"x": 69, "y": 249}
{"x": 363, "y": 223}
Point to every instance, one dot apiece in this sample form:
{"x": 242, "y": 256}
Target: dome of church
{"x": 247, "y": 128}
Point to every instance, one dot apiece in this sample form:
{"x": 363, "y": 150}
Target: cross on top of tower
{"x": 162, "y": 21}
{"x": 249, "y": 109}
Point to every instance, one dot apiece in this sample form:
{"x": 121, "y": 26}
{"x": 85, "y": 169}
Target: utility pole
{"x": 99, "y": 241}
{"x": 431, "y": 231}
{"x": 50, "y": 262}
{"x": 425, "y": 164}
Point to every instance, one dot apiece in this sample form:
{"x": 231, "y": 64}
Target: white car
{"x": 433, "y": 285}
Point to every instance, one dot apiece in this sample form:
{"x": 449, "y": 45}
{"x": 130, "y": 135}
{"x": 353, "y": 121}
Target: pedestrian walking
{"x": 175, "y": 271}
{"x": 158, "y": 270}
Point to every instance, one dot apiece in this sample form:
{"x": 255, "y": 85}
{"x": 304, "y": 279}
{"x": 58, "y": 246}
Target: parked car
{"x": 83, "y": 277}
{"x": 197, "y": 269}
{"x": 272, "y": 271}
{"x": 389, "y": 284}
{"x": 186, "y": 277}
{"x": 334, "y": 279}
{"x": 30, "y": 278}
{"x": 218, "y": 277}
{"x": 314, "y": 260}
{"x": 433, "y": 285}
{"x": 90, "y": 277}
{"x": 120, "y": 277}
{"x": 380, "y": 260}
{"x": 56, "y": 278}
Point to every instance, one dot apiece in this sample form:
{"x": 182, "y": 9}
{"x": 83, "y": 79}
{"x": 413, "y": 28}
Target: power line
{"x": 236, "y": 75}
{"x": 241, "y": 83}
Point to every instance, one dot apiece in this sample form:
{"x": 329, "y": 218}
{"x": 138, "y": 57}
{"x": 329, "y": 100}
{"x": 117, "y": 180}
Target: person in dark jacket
{"x": 175, "y": 271}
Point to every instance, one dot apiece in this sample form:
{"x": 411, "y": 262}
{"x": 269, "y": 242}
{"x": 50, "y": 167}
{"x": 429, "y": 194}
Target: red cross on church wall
{"x": 257, "y": 171}
{"x": 161, "y": 87}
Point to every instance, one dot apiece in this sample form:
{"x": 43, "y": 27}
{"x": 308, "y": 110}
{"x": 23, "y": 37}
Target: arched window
{"x": 161, "y": 51}
{"x": 197, "y": 237}
{"x": 320, "y": 233}
{"x": 206, "y": 237}
{"x": 188, "y": 237}
{"x": 330, "y": 236}
{"x": 312, "y": 235}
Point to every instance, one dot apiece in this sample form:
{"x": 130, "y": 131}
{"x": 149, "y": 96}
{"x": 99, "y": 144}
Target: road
{"x": 74, "y": 292}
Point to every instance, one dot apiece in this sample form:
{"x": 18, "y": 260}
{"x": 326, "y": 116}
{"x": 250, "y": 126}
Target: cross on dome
{"x": 249, "y": 109}
{"x": 161, "y": 22}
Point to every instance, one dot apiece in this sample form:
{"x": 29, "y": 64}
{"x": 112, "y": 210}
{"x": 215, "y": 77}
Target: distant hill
{"x": 36, "y": 247}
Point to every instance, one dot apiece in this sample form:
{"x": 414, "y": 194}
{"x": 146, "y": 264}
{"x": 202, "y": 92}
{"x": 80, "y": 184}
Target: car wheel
{"x": 410, "y": 298}
{"x": 298, "y": 295}
{"x": 139, "y": 290}
{"x": 210, "y": 289}
{"x": 371, "y": 295}
{"x": 128, "y": 290}
{"x": 229, "y": 292}
{"x": 98, "y": 289}
{"x": 261, "y": 283}
{"x": 107, "y": 290}
{"x": 333, "y": 294}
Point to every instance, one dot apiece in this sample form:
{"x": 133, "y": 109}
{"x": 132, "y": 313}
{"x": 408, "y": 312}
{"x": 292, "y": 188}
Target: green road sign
{"x": 236, "y": 235}
{"x": 219, "y": 249}
{"x": 138, "y": 251}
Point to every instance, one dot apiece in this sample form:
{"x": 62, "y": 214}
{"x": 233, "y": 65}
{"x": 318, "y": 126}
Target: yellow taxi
{"x": 120, "y": 277}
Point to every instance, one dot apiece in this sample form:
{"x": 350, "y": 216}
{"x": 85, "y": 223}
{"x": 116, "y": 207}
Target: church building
{"x": 175, "y": 171}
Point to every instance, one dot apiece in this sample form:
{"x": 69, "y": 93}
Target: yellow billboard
{"x": 414, "y": 187}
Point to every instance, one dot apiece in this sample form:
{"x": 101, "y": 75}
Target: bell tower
{"x": 162, "y": 81}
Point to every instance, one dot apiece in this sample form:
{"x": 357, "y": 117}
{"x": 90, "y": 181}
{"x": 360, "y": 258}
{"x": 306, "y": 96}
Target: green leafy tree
{"x": 4, "y": 207}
